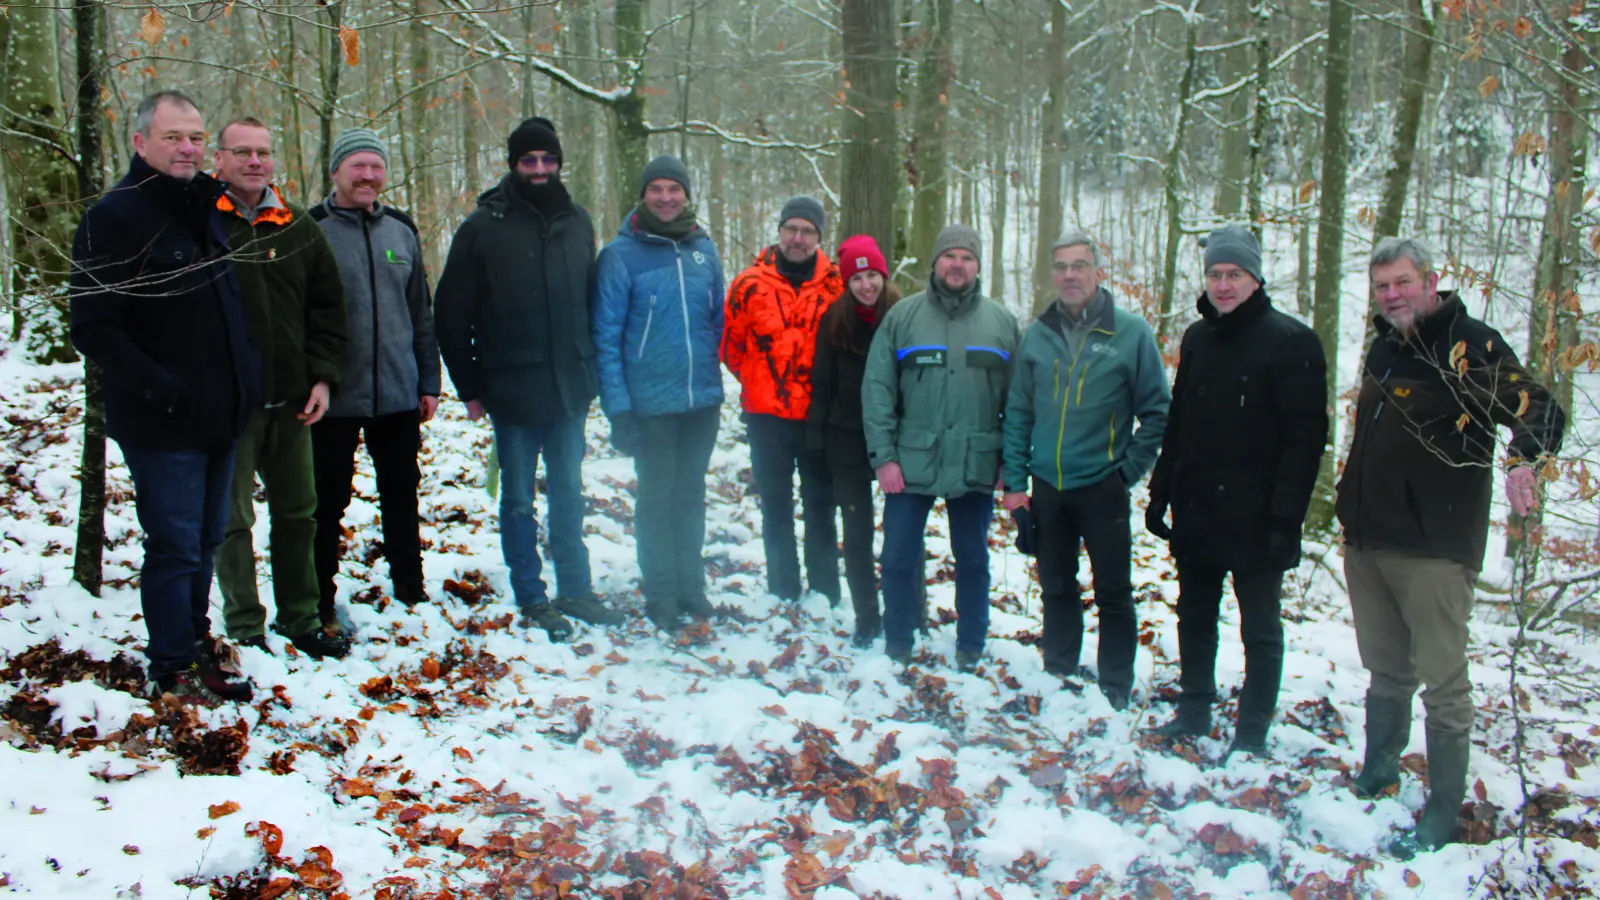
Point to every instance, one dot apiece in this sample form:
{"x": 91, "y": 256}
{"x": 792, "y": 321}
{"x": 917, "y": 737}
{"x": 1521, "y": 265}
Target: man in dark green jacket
{"x": 1085, "y": 373}
{"x": 512, "y": 312}
{"x": 294, "y": 306}
{"x": 932, "y": 396}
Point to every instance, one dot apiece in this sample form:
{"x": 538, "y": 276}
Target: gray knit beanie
{"x": 958, "y": 237}
{"x": 1236, "y": 245}
{"x": 804, "y": 208}
{"x": 356, "y": 140}
{"x": 665, "y": 166}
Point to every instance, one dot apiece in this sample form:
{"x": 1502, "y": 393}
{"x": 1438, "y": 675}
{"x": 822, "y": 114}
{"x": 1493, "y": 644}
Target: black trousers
{"x": 1096, "y": 517}
{"x": 777, "y": 449}
{"x": 1260, "y": 627}
{"x": 669, "y": 512}
{"x": 393, "y": 442}
{"x": 853, "y": 492}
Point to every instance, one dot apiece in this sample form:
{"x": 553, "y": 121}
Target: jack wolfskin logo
{"x": 392, "y": 257}
{"x": 699, "y": 258}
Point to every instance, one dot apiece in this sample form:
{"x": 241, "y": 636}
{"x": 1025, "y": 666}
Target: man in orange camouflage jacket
{"x": 770, "y": 335}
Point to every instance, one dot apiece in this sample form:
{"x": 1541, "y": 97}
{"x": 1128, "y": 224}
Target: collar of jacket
{"x": 1242, "y": 316}
{"x": 954, "y": 304}
{"x": 504, "y": 196}
{"x": 1101, "y": 305}
{"x": 766, "y": 266}
{"x": 275, "y": 213}
{"x": 197, "y": 194}
{"x": 375, "y": 212}
{"x": 1450, "y": 306}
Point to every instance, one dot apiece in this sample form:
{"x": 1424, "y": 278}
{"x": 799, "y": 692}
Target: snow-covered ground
{"x": 454, "y": 755}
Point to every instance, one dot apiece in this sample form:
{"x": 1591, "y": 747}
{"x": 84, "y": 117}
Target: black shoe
{"x": 319, "y": 644}
{"x": 545, "y": 616}
{"x": 1088, "y": 675}
{"x": 589, "y": 608}
{"x": 1186, "y": 724}
{"x": 1255, "y": 745}
{"x": 259, "y": 642}
{"x": 1068, "y": 683}
{"x": 967, "y": 660}
{"x": 901, "y": 655}
{"x": 696, "y": 607}
{"x": 866, "y": 633}
{"x": 1118, "y": 699}
{"x": 410, "y": 592}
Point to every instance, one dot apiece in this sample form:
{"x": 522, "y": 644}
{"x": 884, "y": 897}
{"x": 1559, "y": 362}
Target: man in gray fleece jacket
{"x": 391, "y": 375}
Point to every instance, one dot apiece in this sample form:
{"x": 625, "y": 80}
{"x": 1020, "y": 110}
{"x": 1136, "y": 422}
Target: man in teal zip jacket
{"x": 1086, "y": 372}
{"x": 931, "y": 398}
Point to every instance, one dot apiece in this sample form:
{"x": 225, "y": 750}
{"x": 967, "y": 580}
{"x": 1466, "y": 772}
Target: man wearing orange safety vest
{"x": 773, "y": 310}
{"x": 295, "y": 311}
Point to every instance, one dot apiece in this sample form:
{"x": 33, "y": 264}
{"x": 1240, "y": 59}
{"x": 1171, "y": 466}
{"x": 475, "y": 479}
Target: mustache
{"x": 369, "y": 183}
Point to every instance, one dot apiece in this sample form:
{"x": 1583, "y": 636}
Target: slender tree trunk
{"x": 1553, "y": 321}
{"x": 582, "y": 169}
{"x": 1052, "y": 154}
{"x": 1236, "y": 139}
{"x": 91, "y": 540}
{"x": 1330, "y": 235}
{"x": 294, "y": 170}
{"x": 630, "y": 141}
{"x": 1258, "y": 121}
{"x": 931, "y": 199}
{"x": 332, "y": 66}
{"x": 421, "y": 176}
{"x": 41, "y": 183}
{"x": 1413, "y": 92}
{"x": 868, "y": 178}
{"x": 1172, "y": 182}
{"x": 1000, "y": 191}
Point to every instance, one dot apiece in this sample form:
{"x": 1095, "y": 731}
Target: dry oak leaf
{"x": 430, "y": 668}
{"x": 152, "y": 26}
{"x": 1413, "y": 879}
{"x": 317, "y": 872}
{"x": 275, "y": 888}
{"x": 351, "y": 42}
{"x": 205, "y": 832}
{"x": 219, "y": 810}
{"x": 463, "y": 752}
{"x": 271, "y": 836}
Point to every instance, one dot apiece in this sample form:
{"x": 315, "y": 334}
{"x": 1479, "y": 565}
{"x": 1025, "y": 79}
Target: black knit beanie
{"x": 537, "y": 133}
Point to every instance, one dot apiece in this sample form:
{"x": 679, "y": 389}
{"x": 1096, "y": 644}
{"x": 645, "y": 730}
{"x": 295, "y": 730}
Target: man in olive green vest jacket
{"x": 294, "y": 307}
{"x": 932, "y": 399}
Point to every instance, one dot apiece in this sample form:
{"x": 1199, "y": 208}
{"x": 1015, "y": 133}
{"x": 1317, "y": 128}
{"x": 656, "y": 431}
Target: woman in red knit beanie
{"x": 834, "y": 421}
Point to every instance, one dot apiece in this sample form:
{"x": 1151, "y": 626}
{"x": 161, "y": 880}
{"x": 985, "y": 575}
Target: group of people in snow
{"x": 243, "y": 336}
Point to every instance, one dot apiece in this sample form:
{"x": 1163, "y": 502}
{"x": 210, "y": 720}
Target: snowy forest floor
{"x": 454, "y": 755}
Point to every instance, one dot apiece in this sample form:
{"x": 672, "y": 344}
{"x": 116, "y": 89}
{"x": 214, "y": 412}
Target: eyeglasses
{"x": 1231, "y": 276}
{"x": 798, "y": 231}
{"x": 243, "y": 154}
{"x": 1077, "y": 268}
{"x": 539, "y": 160}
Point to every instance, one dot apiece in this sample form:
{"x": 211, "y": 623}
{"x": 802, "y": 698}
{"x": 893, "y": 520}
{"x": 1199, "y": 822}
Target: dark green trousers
{"x": 277, "y": 446}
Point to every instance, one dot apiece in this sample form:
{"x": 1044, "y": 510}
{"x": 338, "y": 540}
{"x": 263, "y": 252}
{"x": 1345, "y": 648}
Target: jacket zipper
{"x": 683, "y": 304}
{"x": 649, "y": 317}
{"x": 372, "y": 290}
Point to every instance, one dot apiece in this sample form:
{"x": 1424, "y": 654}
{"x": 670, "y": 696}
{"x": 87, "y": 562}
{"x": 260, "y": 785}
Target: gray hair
{"x": 1077, "y": 237}
{"x": 1394, "y": 249}
{"x": 147, "y": 107}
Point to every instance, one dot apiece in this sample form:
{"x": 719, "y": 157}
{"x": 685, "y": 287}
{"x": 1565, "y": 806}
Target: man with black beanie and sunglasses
{"x": 513, "y": 320}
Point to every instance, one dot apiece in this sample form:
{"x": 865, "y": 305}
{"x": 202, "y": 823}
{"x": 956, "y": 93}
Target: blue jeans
{"x": 181, "y": 497}
{"x": 562, "y": 444}
{"x": 905, "y": 518}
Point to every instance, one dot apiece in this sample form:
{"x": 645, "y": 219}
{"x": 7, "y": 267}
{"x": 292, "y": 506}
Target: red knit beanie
{"x": 860, "y": 253}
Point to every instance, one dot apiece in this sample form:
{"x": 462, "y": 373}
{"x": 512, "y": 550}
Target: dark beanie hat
{"x": 537, "y": 133}
{"x": 957, "y": 237}
{"x": 665, "y": 166}
{"x": 1234, "y": 244}
{"x": 803, "y": 207}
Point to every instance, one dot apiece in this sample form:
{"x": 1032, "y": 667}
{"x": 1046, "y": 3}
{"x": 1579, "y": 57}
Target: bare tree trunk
{"x": 87, "y": 556}
{"x": 1236, "y": 140}
{"x": 582, "y": 170}
{"x": 1052, "y": 153}
{"x": 1172, "y": 182}
{"x": 931, "y": 200}
{"x": 421, "y": 175}
{"x": 1000, "y": 191}
{"x": 867, "y": 183}
{"x": 41, "y": 183}
{"x": 1330, "y": 235}
{"x": 332, "y": 66}
{"x": 1413, "y": 92}
{"x": 1258, "y": 121}
{"x": 630, "y": 141}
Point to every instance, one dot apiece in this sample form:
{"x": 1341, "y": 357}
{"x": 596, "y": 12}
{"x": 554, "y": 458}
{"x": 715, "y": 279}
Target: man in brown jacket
{"x": 1414, "y": 503}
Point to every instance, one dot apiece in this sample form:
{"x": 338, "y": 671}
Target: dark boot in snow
{"x": 1388, "y": 732}
{"x": 589, "y": 608}
{"x": 697, "y": 607}
{"x": 1448, "y": 754}
{"x": 545, "y": 616}
{"x": 1192, "y": 721}
{"x": 664, "y": 614}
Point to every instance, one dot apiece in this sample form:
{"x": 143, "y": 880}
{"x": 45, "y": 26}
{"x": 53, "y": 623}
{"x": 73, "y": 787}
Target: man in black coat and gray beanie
{"x": 1245, "y": 435}
{"x": 513, "y": 319}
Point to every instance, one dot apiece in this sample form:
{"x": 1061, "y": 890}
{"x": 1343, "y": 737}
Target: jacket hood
{"x": 504, "y": 196}
{"x": 1248, "y": 311}
{"x": 1103, "y": 306}
{"x": 630, "y": 229}
{"x": 202, "y": 190}
{"x": 765, "y": 265}
{"x": 957, "y": 303}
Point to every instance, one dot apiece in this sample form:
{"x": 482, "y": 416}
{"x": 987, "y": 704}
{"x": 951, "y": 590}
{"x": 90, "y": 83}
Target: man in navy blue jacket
{"x": 657, "y": 330}
{"x": 156, "y": 304}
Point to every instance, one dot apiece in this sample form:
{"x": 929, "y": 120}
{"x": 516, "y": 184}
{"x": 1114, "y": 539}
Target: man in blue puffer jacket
{"x": 657, "y": 328}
